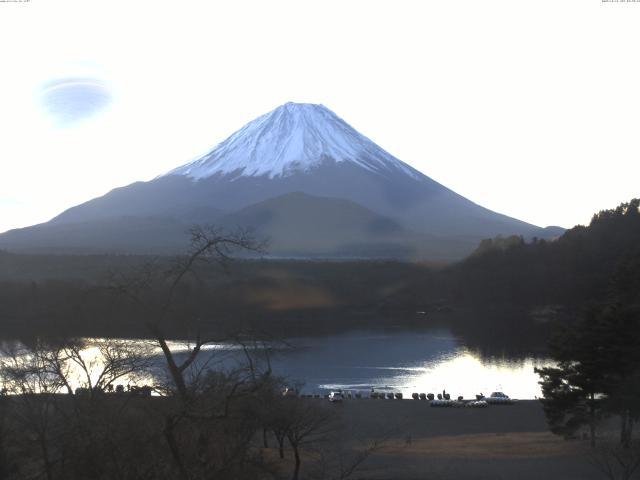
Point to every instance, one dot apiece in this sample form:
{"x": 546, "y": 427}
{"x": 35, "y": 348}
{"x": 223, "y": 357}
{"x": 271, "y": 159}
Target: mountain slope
{"x": 295, "y": 148}
{"x": 113, "y": 235}
{"x": 297, "y": 223}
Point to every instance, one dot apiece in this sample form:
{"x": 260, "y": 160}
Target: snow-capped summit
{"x": 293, "y": 138}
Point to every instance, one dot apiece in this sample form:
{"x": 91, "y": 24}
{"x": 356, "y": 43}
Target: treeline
{"x": 597, "y": 377}
{"x": 585, "y": 288}
{"x": 516, "y": 288}
{"x": 575, "y": 269}
{"x": 513, "y": 294}
{"x": 294, "y": 297}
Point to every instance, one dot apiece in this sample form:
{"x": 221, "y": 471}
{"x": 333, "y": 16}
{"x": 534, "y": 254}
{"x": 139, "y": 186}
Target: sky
{"x": 528, "y": 107}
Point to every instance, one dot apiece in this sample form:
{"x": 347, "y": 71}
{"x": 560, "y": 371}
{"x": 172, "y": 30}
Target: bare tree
{"x": 103, "y": 362}
{"x": 37, "y": 373}
{"x": 204, "y": 396}
{"x": 6, "y": 460}
{"x": 616, "y": 461}
{"x": 307, "y": 423}
{"x": 54, "y": 366}
{"x": 25, "y": 374}
{"x": 277, "y": 419}
{"x": 340, "y": 460}
{"x": 208, "y": 245}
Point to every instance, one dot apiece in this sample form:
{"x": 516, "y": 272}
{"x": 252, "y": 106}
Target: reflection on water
{"x": 405, "y": 361}
{"x": 459, "y": 374}
{"x": 422, "y": 362}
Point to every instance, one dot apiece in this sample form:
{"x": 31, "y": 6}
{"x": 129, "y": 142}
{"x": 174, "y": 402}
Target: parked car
{"x": 499, "y": 398}
{"x": 336, "y": 397}
{"x": 477, "y": 404}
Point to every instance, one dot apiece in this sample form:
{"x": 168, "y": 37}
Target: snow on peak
{"x": 295, "y": 137}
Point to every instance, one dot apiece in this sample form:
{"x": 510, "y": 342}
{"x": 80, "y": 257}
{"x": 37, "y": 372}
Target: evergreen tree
{"x": 598, "y": 372}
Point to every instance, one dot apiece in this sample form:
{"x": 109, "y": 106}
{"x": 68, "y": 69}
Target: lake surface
{"x": 400, "y": 361}
{"x": 406, "y": 362}
{"x": 427, "y": 361}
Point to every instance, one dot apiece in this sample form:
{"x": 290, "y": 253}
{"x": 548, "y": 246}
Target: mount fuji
{"x": 293, "y": 138}
{"x": 299, "y": 175}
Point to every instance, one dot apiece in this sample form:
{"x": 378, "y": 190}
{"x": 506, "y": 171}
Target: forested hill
{"x": 587, "y": 264}
{"x": 504, "y": 284}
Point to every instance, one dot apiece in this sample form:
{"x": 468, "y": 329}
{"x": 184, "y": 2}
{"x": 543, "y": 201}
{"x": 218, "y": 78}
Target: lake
{"x": 406, "y": 361}
{"x": 400, "y": 361}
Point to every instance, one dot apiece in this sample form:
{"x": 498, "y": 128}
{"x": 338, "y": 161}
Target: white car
{"x": 499, "y": 398}
{"x": 336, "y": 397}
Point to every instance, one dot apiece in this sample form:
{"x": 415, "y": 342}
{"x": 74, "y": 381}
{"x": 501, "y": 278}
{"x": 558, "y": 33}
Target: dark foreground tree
{"x": 61, "y": 422}
{"x": 597, "y": 374}
{"x": 66, "y": 422}
{"x": 615, "y": 461}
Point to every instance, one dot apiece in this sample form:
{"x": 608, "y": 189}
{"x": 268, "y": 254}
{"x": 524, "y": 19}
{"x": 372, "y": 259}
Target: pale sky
{"x": 527, "y": 107}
